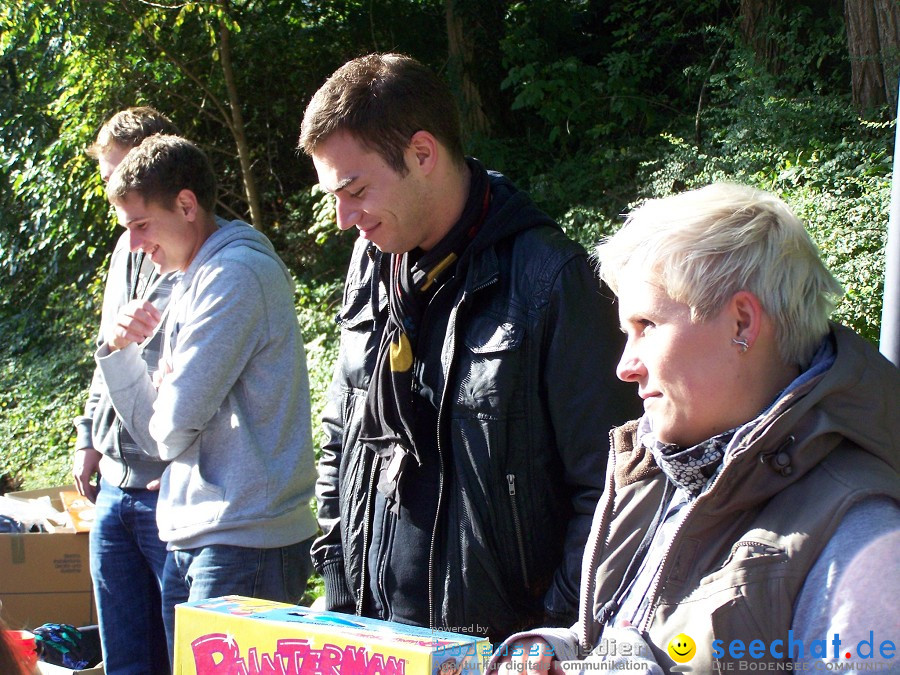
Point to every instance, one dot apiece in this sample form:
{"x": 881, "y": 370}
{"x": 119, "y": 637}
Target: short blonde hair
{"x": 705, "y": 245}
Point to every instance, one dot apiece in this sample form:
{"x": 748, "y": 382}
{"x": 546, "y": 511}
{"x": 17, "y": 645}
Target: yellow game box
{"x": 234, "y": 635}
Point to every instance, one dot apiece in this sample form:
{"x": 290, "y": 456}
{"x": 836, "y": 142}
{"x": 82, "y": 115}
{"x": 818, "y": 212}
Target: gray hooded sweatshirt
{"x": 233, "y": 415}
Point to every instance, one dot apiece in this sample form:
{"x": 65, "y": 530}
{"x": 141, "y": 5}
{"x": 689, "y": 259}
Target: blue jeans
{"x": 127, "y": 560}
{"x": 211, "y": 571}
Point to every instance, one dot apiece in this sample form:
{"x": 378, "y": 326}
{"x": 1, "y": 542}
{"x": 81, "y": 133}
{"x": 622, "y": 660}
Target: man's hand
{"x": 531, "y": 656}
{"x": 84, "y": 467}
{"x": 135, "y": 322}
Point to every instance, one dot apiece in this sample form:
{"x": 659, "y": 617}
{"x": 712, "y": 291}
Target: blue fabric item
{"x": 822, "y": 360}
{"x": 278, "y": 574}
{"x": 127, "y": 559}
{"x": 9, "y": 524}
{"x": 61, "y": 645}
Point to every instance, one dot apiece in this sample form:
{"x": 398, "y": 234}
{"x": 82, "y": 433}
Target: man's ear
{"x": 186, "y": 204}
{"x": 423, "y": 151}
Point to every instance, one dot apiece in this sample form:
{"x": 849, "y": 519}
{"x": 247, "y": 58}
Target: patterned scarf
{"x": 687, "y": 468}
{"x": 412, "y": 279}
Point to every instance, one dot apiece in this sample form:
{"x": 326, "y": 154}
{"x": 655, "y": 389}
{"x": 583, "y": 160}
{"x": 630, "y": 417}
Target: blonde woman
{"x": 750, "y": 518}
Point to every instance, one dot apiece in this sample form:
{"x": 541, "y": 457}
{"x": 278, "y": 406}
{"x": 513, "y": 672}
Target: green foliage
{"x": 840, "y": 191}
{"x": 318, "y": 302}
{"x": 43, "y": 387}
{"x": 315, "y": 589}
{"x": 40, "y": 397}
{"x": 65, "y": 67}
{"x": 594, "y": 86}
{"x": 317, "y": 250}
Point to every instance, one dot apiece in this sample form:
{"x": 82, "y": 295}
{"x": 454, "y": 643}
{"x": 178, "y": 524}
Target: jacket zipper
{"x": 133, "y": 268}
{"x": 517, "y": 524}
{"x": 451, "y": 331}
{"x": 153, "y": 280}
{"x": 370, "y": 495}
{"x": 117, "y": 445}
{"x": 366, "y": 533}
{"x": 433, "y": 623}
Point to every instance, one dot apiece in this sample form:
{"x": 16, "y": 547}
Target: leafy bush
{"x": 317, "y": 306}
{"x": 43, "y": 386}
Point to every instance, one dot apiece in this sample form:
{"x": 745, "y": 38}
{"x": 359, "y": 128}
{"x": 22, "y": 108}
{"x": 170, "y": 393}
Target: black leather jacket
{"x": 530, "y": 396}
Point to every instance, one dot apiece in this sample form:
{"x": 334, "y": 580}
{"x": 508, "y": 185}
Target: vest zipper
{"x": 517, "y": 524}
{"x": 654, "y": 588}
{"x": 586, "y": 602}
{"x": 767, "y": 549}
{"x": 652, "y": 598}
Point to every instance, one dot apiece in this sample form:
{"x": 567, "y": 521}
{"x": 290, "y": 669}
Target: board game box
{"x": 235, "y": 635}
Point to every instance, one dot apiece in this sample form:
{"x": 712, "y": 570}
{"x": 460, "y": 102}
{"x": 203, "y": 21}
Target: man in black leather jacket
{"x": 475, "y": 386}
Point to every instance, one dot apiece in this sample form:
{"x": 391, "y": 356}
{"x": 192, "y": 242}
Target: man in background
{"x": 127, "y": 555}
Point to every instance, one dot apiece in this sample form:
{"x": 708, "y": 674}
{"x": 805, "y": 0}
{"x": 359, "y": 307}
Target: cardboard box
{"x": 234, "y": 635}
{"x": 45, "y": 577}
{"x": 80, "y": 510}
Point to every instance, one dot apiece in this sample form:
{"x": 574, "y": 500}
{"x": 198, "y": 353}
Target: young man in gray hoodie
{"x": 229, "y": 406}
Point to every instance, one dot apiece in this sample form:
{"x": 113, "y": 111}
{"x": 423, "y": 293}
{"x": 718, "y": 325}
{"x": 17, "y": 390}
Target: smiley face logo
{"x": 682, "y": 648}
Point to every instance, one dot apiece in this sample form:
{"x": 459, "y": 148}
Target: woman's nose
{"x": 630, "y": 368}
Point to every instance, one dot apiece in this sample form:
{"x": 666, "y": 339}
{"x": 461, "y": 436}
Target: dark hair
{"x": 382, "y": 100}
{"x": 161, "y": 167}
{"x": 127, "y": 128}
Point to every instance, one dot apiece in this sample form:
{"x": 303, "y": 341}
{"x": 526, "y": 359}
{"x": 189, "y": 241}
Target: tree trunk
{"x": 474, "y": 28}
{"x": 873, "y": 43}
{"x": 756, "y": 18}
{"x": 237, "y": 124}
{"x": 887, "y": 13}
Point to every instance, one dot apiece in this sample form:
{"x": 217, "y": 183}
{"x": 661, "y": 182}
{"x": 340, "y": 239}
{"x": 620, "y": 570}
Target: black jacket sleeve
{"x": 585, "y": 401}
